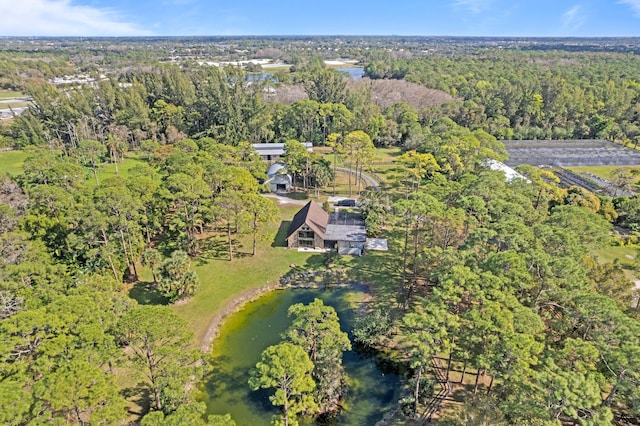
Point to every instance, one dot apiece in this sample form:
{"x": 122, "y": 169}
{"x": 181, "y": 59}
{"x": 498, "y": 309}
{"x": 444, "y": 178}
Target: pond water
{"x": 258, "y": 76}
{"x": 354, "y": 72}
{"x": 373, "y": 384}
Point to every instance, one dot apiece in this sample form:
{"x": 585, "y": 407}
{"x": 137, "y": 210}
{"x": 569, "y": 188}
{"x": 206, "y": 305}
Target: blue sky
{"x": 579, "y": 18}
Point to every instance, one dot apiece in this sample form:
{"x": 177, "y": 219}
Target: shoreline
{"x": 238, "y": 302}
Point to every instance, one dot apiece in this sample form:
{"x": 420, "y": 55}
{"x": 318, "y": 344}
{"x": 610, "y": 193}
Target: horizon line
{"x": 501, "y": 37}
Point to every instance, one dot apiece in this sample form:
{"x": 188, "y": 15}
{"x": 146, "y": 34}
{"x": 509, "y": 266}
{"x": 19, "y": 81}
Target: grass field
{"x": 221, "y": 280}
{"x": 108, "y": 170}
{"x": 10, "y": 99}
{"x": 387, "y": 156}
{"x": 625, "y": 255}
{"x": 10, "y": 94}
{"x": 11, "y": 162}
{"x": 601, "y": 171}
{"x": 381, "y": 168}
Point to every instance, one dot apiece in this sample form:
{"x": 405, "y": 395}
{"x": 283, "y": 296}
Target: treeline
{"x": 532, "y": 94}
{"x": 165, "y": 104}
{"x": 508, "y": 94}
{"x": 496, "y": 287}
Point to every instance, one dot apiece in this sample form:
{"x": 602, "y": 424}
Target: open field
{"x": 381, "y": 168}
{"x": 11, "y": 162}
{"x": 10, "y": 94}
{"x": 13, "y": 100}
{"x": 604, "y": 172}
{"x": 222, "y": 280}
{"x": 108, "y": 170}
{"x": 625, "y": 255}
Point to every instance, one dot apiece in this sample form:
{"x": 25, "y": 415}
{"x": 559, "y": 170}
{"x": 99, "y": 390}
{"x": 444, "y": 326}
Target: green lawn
{"x": 221, "y": 280}
{"x": 10, "y": 94}
{"x": 108, "y": 170}
{"x": 625, "y": 255}
{"x": 601, "y": 171}
{"x": 387, "y": 156}
{"x": 11, "y": 162}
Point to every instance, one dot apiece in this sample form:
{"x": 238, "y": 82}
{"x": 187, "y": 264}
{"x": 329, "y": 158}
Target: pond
{"x": 373, "y": 383}
{"x": 354, "y": 72}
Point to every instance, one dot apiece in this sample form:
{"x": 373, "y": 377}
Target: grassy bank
{"x": 222, "y": 280}
{"x": 10, "y": 94}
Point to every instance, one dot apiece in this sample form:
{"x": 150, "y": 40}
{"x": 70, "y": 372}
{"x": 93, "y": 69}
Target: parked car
{"x": 347, "y": 202}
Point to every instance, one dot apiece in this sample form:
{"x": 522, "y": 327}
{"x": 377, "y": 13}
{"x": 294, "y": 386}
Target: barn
{"x": 278, "y": 180}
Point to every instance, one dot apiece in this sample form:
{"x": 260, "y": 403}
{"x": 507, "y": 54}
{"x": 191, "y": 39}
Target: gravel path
{"x": 373, "y": 184}
{"x": 283, "y": 199}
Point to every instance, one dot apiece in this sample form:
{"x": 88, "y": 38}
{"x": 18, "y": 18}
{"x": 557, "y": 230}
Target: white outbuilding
{"x": 278, "y": 179}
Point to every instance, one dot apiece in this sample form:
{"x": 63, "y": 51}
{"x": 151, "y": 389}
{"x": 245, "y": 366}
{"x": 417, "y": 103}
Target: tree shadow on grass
{"x": 145, "y": 293}
{"x": 280, "y": 240}
{"x": 297, "y": 195}
{"x": 216, "y": 248}
{"x": 140, "y": 396}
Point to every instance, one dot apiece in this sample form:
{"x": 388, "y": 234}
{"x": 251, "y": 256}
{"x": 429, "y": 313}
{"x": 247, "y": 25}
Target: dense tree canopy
{"x": 495, "y": 276}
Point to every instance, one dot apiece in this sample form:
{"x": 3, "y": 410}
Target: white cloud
{"x": 635, "y": 5}
{"x": 573, "y": 18}
{"x": 475, "y": 6}
{"x": 61, "y": 18}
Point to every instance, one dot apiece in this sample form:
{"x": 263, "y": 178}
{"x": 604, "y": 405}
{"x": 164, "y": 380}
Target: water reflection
{"x": 373, "y": 385}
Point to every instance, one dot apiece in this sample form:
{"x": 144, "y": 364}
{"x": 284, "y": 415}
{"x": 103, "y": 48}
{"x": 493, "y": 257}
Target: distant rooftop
{"x": 272, "y": 149}
{"x": 577, "y": 152}
{"x": 509, "y": 173}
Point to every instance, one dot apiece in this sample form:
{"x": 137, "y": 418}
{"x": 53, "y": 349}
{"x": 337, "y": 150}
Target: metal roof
{"x": 379, "y": 244}
{"x": 274, "y": 169}
{"x": 276, "y": 148}
{"x": 356, "y": 233}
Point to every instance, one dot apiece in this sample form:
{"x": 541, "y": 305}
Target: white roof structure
{"x": 378, "y": 244}
{"x": 275, "y": 169}
{"x": 265, "y": 149}
{"x": 509, "y": 173}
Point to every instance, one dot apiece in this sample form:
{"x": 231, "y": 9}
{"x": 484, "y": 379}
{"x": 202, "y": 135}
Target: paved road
{"x": 373, "y": 184}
